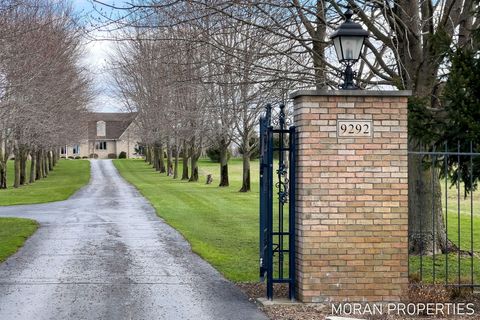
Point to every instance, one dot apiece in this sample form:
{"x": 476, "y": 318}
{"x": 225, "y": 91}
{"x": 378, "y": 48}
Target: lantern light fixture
{"x": 348, "y": 41}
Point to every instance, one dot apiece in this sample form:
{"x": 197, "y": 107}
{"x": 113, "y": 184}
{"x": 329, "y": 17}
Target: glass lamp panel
{"x": 338, "y": 48}
{"x": 351, "y": 47}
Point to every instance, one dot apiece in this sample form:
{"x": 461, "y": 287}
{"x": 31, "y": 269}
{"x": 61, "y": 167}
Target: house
{"x": 108, "y": 135}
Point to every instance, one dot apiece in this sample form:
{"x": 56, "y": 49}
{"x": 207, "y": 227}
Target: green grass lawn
{"x": 66, "y": 178}
{"x": 464, "y": 239}
{"x": 426, "y": 265}
{"x": 220, "y": 223}
{"x": 466, "y": 236}
{"x": 468, "y": 205}
{"x": 13, "y": 233}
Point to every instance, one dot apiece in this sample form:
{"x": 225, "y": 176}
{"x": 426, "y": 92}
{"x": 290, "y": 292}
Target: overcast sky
{"x": 96, "y": 56}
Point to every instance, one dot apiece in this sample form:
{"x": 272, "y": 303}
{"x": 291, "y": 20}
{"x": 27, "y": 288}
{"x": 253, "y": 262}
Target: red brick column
{"x": 352, "y": 203}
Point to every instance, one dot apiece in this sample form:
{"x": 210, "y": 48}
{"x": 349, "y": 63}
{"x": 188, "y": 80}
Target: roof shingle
{"x": 115, "y": 124}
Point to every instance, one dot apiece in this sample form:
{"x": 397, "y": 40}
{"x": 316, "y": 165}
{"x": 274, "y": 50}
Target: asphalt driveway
{"x": 104, "y": 254}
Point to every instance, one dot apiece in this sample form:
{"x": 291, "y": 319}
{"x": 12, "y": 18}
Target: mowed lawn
{"x": 468, "y": 271}
{"x": 463, "y": 211}
{"x": 13, "y": 233}
{"x": 425, "y": 269}
{"x": 67, "y": 177}
{"x": 221, "y": 224}
{"x": 469, "y": 208}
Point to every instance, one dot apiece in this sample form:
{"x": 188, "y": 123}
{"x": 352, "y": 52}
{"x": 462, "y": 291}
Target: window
{"x": 101, "y": 130}
{"x": 63, "y": 150}
{"x": 101, "y": 145}
{"x": 76, "y": 149}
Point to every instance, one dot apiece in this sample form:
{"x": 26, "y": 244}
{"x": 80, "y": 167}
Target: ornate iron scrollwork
{"x": 274, "y": 231}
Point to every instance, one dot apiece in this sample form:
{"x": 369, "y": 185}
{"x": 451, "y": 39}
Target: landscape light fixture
{"x": 348, "y": 40}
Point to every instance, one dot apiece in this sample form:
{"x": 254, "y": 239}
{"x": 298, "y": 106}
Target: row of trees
{"x": 197, "y": 85}
{"x": 216, "y": 62}
{"x": 43, "y": 90}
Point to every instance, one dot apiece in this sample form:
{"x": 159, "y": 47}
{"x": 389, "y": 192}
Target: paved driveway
{"x": 104, "y": 254}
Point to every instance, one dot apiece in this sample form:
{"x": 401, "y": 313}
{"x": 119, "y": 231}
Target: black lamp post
{"x": 348, "y": 40}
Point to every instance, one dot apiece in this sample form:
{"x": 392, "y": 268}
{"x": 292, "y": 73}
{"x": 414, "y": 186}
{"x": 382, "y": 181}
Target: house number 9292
{"x": 352, "y": 128}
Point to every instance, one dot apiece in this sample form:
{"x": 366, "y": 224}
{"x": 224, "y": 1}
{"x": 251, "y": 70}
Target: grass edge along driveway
{"x": 221, "y": 224}
{"x": 13, "y": 234}
{"x": 67, "y": 177}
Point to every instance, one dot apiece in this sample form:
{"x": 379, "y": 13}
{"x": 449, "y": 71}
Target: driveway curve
{"x": 104, "y": 254}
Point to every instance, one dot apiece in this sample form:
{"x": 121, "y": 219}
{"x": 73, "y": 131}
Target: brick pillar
{"x": 352, "y": 203}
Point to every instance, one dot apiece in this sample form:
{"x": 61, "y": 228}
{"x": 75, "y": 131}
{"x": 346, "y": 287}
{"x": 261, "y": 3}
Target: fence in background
{"x": 444, "y": 242}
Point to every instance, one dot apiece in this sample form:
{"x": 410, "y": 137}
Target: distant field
{"x": 66, "y": 178}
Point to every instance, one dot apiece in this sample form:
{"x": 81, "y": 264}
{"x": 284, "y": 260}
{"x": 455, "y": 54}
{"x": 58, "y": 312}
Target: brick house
{"x": 108, "y": 135}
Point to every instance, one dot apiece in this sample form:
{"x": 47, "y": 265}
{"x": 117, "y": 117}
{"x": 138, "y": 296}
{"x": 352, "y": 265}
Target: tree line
{"x": 43, "y": 89}
{"x": 197, "y": 85}
{"x": 203, "y": 68}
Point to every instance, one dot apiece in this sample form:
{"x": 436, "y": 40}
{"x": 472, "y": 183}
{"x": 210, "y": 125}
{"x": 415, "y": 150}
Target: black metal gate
{"x": 277, "y": 230}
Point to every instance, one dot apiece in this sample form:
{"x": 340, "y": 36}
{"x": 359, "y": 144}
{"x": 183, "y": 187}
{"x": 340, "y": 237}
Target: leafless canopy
{"x": 43, "y": 89}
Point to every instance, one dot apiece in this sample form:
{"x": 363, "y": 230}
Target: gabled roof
{"x": 115, "y": 124}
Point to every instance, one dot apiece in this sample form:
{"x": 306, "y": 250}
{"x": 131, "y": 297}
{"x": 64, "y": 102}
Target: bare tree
{"x": 43, "y": 88}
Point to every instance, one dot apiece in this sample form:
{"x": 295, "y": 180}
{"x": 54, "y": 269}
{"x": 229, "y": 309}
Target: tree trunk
{"x": 148, "y": 154}
{"x": 45, "y": 164}
{"x": 156, "y": 162}
{"x": 3, "y": 164}
{"x": 23, "y": 166}
{"x": 319, "y": 48}
{"x": 49, "y": 159}
{"x": 425, "y": 215}
{"x": 175, "y": 166}
{"x": 54, "y": 158}
{"x": 17, "y": 166}
{"x": 3, "y": 161}
{"x": 32, "y": 167}
{"x": 3, "y": 176}
{"x": 42, "y": 164}
{"x": 224, "y": 166}
{"x": 193, "y": 162}
{"x": 427, "y": 231}
{"x": 246, "y": 172}
{"x": 161, "y": 159}
{"x": 185, "y": 162}
{"x": 418, "y": 64}
{"x": 194, "y": 166}
{"x": 169, "y": 160}
{"x": 38, "y": 165}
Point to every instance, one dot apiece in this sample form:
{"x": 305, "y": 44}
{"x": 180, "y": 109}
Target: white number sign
{"x": 353, "y": 128}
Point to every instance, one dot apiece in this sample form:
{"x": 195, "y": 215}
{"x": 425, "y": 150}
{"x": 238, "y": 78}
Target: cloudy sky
{"x": 96, "y": 55}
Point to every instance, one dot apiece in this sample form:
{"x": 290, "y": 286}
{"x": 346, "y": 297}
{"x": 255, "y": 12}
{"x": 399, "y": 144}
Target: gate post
{"x": 352, "y": 195}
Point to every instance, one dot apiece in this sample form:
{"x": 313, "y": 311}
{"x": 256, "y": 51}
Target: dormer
{"x": 101, "y": 129}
